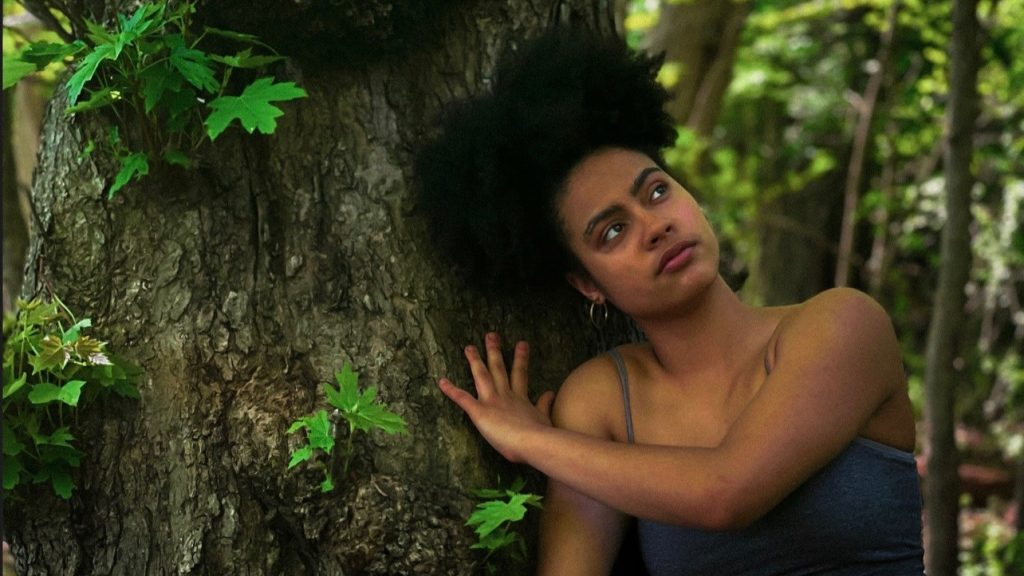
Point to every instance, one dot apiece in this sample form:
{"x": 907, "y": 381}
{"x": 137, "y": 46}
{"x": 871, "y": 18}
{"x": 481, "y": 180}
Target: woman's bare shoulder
{"x": 590, "y": 398}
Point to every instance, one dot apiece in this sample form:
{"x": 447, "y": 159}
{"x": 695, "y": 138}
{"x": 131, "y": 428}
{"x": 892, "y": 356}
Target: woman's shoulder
{"x": 842, "y": 320}
{"x": 854, "y": 309}
{"x": 590, "y": 398}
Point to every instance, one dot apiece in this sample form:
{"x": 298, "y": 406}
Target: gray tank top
{"x": 860, "y": 515}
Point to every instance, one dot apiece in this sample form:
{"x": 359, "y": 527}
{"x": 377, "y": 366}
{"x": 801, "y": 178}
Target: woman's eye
{"x": 658, "y": 191}
{"x": 611, "y": 232}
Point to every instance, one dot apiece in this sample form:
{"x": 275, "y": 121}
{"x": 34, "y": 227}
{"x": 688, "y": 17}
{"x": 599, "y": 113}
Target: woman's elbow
{"x": 727, "y": 509}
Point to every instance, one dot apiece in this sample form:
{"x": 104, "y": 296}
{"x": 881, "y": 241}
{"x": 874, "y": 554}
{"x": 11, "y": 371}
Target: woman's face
{"x": 638, "y": 233}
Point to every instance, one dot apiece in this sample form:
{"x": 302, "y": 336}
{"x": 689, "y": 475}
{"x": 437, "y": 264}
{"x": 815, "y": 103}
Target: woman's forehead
{"x": 606, "y": 172}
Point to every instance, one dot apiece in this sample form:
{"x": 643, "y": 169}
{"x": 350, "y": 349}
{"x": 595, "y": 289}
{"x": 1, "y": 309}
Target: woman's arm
{"x": 579, "y": 535}
{"x": 837, "y": 361}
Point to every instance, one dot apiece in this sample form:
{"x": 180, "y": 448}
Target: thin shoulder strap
{"x": 624, "y": 382}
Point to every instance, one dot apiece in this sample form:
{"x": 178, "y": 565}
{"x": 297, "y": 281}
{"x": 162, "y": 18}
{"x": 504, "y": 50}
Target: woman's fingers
{"x": 481, "y": 374}
{"x": 520, "y": 372}
{"x": 463, "y": 399}
{"x": 496, "y": 363}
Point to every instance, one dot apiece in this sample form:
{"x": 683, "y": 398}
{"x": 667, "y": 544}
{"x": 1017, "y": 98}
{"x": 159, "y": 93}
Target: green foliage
{"x": 496, "y": 517}
{"x": 52, "y": 370}
{"x": 361, "y": 410}
{"x": 994, "y": 549}
{"x": 162, "y": 83}
{"x": 252, "y": 108}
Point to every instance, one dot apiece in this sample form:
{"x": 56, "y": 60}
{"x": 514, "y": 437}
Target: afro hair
{"x": 491, "y": 181}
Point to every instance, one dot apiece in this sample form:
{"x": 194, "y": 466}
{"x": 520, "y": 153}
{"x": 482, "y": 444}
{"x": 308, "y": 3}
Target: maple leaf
{"x": 252, "y": 107}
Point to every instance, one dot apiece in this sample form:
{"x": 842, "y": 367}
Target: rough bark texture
{"x": 241, "y": 287}
{"x": 942, "y": 489}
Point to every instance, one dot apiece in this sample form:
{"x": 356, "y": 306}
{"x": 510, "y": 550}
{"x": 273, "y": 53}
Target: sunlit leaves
{"x": 15, "y": 70}
{"x": 133, "y": 165}
{"x": 52, "y": 368}
{"x": 171, "y": 93}
{"x": 252, "y": 108}
{"x": 361, "y": 410}
{"x": 494, "y": 519}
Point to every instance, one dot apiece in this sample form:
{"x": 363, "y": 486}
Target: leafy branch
{"x": 495, "y": 518}
{"x": 166, "y": 91}
{"x": 360, "y": 410}
{"x": 52, "y": 369}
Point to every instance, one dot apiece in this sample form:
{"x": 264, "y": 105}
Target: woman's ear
{"x": 586, "y": 286}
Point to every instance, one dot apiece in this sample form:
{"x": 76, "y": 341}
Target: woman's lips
{"x": 676, "y": 257}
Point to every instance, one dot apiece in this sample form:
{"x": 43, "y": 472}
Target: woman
{"x": 745, "y": 440}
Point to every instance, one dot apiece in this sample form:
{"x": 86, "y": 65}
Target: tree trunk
{"x": 241, "y": 287}
{"x": 702, "y": 37}
{"x": 942, "y": 488}
{"x": 861, "y": 146}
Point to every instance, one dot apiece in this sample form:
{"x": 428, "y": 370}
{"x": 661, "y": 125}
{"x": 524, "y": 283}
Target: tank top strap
{"x": 624, "y": 382}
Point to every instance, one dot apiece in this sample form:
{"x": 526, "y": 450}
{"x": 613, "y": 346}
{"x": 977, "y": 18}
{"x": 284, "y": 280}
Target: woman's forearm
{"x": 667, "y": 484}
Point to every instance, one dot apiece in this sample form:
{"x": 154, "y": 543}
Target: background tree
{"x": 941, "y": 375}
{"x": 242, "y": 286}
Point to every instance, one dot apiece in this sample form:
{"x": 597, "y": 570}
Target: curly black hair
{"x": 491, "y": 182}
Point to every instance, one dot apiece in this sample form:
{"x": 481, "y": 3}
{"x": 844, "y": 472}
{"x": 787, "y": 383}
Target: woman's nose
{"x": 657, "y": 229}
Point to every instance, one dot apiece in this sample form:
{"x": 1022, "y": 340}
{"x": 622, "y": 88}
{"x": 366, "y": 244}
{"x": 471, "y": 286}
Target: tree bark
{"x": 241, "y": 287}
{"x": 942, "y": 488}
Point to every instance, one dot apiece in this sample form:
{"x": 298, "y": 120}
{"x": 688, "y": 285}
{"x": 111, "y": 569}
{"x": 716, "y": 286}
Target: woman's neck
{"x": 709, "y": 336}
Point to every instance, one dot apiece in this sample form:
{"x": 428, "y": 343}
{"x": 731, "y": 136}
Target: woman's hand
{"x": 501, "y": 410}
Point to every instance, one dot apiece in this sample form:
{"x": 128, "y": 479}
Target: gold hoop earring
{"x": 598, "y": 323}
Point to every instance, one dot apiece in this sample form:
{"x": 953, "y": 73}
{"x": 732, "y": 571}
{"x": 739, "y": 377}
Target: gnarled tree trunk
{"x": 243, "y": 286}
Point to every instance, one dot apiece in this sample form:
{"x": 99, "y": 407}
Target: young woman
{"x": 745, "y": 440}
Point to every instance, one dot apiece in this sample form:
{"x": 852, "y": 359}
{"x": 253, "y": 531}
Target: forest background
{"x": 816, "y": 133}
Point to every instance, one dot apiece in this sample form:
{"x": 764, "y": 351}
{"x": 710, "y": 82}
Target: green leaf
{"x": 61, "y": 437}
{"x": 177, "y": 158}
{"x": 62, "y": 483}
{"x": 97, "y": 99}
{"x": 319, "y": 431}
{"x": 132, "y": 166}
{"x": 496, "y": 540}
{"x": 252, "y": 108}
{"x": 300, "y": 455}
{"x": 52, "y": 354}
{"x": 318, "y": 435}
{"x": 98, "y": 34}
{"x": 12, "y": 446}
{"x": 156, "y": 80}
{"x": 60, "y": 479}
{"x": 11, "y": 387}
{"x": 72, "y": 333}
{"x": 38, "y": 312}
{"x": 489, "y": 515}
{"x": 45, "y": 393}
{"x": 12, "y": 471}
{"x": 245, "y": 59}
{"x": 376, "y": 416}
{"x": 59, "y": 456}
{"x": 348, "y": 383}
{"x": 16, "y": 69}
{"x": 192, "y": 64}
{"x": 87, "y": 69}
{"x": 43, "y": 53}
{"x": 237, "y": 36}
{"x": 328, "y": 484}
{"x": 179, "y": 105}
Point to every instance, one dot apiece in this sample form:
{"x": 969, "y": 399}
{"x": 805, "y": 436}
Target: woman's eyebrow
{"x": 638, "y": 183}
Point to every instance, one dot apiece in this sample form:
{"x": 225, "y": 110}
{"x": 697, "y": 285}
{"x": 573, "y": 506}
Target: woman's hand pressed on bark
{"x": 501, "y": 410}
